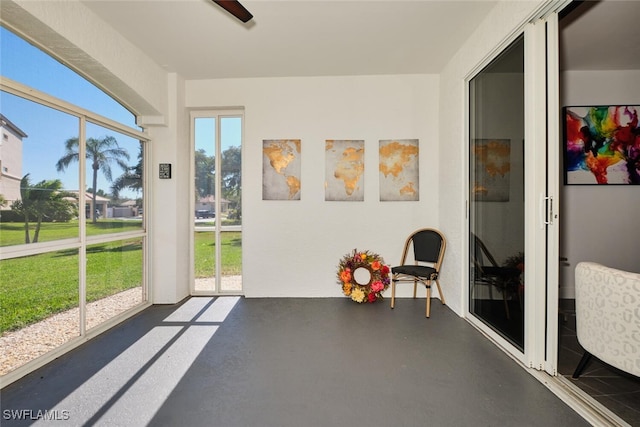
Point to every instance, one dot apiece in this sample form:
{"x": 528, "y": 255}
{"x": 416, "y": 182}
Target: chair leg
{"x": 393, "y": 293}
{"x": 506, "y": 305}
{"x": 520, "y": 296}
{"x": 586, "y": 357}
{"x": 415, "y": 286}
{"x": 428, "y": 301}
{"x": 440, "y": 292}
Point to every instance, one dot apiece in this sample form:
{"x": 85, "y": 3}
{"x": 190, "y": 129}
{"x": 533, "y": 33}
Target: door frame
{"x": 542, "y": 138}
{"x": 218, "y": 114}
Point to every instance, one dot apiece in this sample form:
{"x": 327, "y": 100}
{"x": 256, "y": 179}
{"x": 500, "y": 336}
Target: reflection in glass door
{"x": 496, "y": 200}
{"x": 217, "y": 207}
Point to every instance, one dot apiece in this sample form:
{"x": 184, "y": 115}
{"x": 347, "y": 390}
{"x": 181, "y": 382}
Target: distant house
{"x": 10, "y": 160}
{"x": 126, "y": 209}
{"x": 102, "y": 203}
{"x": 208, "y": 203}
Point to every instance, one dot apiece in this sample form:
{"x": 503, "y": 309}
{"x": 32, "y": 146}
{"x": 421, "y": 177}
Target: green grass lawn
{"x": 35, "y": 287}
{"x": 231, "y": 242}
{"x": 30, "y": 291}
{"x": 12, "y": 233}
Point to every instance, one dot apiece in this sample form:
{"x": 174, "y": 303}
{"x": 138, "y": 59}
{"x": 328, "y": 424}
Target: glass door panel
{"x": 496, "y": 200}
{"x": 204, "y": 237}
{"x": 218, "y": 203}
{"x": 230, "y": 204}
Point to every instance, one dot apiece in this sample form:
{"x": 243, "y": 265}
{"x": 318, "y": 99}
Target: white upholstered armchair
{"x": 608, "y": 316}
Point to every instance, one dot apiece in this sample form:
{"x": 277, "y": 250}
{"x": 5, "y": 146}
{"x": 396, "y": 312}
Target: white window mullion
{"x": 147, "y": 195}
{"x": 218, "y": 196}
{"x": 82, "y": 223}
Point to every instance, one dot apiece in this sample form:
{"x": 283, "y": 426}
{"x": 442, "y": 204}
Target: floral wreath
{"x": 378, "y": 271}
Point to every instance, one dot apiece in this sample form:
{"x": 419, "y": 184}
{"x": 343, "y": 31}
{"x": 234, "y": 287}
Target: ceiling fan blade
{"x": 235, "y": 8}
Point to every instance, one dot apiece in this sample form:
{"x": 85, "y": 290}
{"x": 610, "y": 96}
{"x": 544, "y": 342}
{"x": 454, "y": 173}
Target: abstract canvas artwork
{"x": 399, "y": 170}
{"x": 492, "y": 158}
{"x": 281, "y": 169}
{"x": 602, "y": 145}
{"x": 344, "y": 170}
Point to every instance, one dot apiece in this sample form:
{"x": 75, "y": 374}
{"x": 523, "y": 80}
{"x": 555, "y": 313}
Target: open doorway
{"x": 598, "y": 67}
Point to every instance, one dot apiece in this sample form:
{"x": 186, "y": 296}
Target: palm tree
{"x": 100, "y": 152}
{"x": 42, "y": 200}
{"x": 24, "y": 205}
{"x": 131, "y": 178}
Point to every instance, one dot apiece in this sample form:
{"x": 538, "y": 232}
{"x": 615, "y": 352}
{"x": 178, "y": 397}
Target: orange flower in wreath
{"x": 345, "y": 275}
{"x": 346, "y": 289}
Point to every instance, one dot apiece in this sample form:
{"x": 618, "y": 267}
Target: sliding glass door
{"x": 496, "y": 199}
{"x": 513, "y": 195}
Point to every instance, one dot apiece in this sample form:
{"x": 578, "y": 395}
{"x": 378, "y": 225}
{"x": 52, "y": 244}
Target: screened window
{"x": 72, "y": 226}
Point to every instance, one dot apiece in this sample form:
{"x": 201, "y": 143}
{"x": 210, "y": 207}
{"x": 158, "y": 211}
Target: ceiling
{"x": 199, "y": 40}
{"x": 602, "y": 35}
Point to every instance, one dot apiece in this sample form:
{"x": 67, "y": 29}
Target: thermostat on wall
{"x": 165, "y": 171}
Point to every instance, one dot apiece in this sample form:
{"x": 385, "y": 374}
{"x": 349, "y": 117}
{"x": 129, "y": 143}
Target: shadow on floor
{"x": 231, "y": 361}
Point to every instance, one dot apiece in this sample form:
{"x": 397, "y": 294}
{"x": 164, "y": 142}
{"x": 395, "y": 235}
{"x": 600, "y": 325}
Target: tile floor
{"x": 618, "y": 391}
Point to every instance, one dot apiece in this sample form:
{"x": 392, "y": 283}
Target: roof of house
{"x": 211, "y": 199}
{"x": 10, "y": 125}
{"x": 89, "y": 196}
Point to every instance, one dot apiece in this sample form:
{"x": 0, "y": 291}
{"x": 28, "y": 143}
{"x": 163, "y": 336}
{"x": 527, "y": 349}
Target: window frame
{"x": 81, "y": 242}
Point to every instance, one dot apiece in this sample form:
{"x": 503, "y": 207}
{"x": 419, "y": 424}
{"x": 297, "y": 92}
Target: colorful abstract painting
{"x": 492, "y": 158}
{"x": 602, "y": 145}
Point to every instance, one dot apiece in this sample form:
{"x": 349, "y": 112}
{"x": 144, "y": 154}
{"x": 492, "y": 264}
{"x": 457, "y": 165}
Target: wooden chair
{"x": 428, "y": 248}
{"x": 488, "y": 272}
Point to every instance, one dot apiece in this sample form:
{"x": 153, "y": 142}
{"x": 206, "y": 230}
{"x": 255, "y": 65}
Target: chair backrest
{"x": 608, "y": 314}
{"x": 428, "y": 245}
{"x": 481, "y": 253}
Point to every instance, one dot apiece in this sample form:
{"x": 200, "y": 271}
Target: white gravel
{"x": 21, "y": 346}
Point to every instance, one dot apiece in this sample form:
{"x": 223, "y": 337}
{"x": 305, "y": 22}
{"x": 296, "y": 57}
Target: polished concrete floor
{"x": 286, "y": 362}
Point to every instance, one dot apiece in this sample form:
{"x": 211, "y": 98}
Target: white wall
{"x": 598, "y": 223}
{"x": 292, "y": 248}
{"x": 169, "y": 226}
{"x": 503, "y": 19}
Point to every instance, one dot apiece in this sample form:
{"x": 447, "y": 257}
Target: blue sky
{"x": 230, "y": 134}
{"x": 48, "y": 129}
